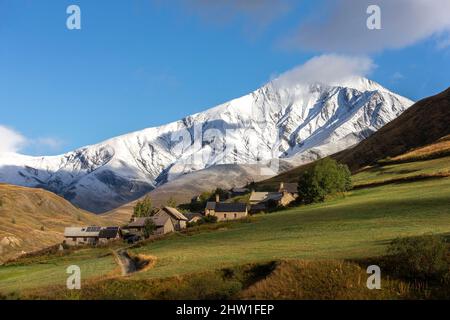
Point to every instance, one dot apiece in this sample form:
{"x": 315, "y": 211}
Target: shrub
{"x": 171, "y": 202}
{"x": 423, "y": 258}
{"x": 207, "y": 219}
{"x": 149, "y": 228}
{"x": 325, "y": 177}
{"x": 223, "y": 195}
{"x": 203, "y": 220}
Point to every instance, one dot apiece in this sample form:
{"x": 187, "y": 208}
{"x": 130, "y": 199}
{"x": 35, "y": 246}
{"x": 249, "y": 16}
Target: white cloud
{"x": 327, "y": 69}
{"x": 10, "y": 140}
{"x": 343, "y": 28}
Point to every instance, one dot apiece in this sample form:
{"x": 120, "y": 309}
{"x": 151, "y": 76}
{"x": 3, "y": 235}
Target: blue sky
{"x": 142, "y": 63}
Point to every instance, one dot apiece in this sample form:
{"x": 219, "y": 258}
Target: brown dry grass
{"x": 36, "y": 219}
{"x": 437, "y": 149}
{"x": 144, "y": 262}
{"x": 322, "y": 280}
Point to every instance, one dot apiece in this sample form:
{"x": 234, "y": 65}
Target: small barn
{"x": 226, "y": 211}
{"x": 179, "y": 221}
{"x": 262, "y": 201}
{"x": 75, "y": 236}
{"x": 163, "y": 225}
{"x": 291, "y": 188}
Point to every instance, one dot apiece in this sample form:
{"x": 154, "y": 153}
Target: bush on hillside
{"x": 149, "y": 228}
{"x": 423, "y": 258}
{"x": 325, "y": 177}
{"x": 207, "y": 219}
{"x": 204, "y": 220}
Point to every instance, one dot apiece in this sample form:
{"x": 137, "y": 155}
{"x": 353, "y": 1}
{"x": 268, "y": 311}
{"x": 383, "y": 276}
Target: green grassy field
{"x": 51, "y": 270}
{"x": 359, "y": 225}
{"x": 404, "y": 170}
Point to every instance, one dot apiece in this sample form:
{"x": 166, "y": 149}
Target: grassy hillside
{"x": 51, "y": 269}
{"x": 356, "y": 226}
{"x": 32, "y": 219}
{"x": 307, "y": 280}
{"x": 359, "y": 225}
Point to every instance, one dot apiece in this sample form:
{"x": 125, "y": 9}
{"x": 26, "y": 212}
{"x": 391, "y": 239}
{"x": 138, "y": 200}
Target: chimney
{"x": 217, "y": 198}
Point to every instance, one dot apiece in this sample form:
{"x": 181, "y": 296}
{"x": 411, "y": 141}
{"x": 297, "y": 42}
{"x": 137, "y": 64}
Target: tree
{"x": 325, "y": 177}
{"x": 223, "y": 194}
{"x": 149, "y": 228}
{"x": 171, "y": 202}
{"x": 144, "y": 208}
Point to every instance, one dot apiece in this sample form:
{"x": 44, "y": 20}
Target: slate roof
{"x": 137, "y": 223}
{"x": 210, "y": 205}
{"x": 191, "y": 216}
{"x": 259, "y": 207}
{"x": 109, "y": 233}
{"x": 230, "y": 207}
{"x": 290, "y": 187}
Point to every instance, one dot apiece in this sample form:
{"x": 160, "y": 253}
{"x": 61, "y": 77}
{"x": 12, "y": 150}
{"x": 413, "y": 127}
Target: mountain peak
{"x": 298, "y": 121}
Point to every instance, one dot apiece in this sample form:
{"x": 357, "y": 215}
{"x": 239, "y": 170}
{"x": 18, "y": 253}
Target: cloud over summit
{"x": 10, "y": 140}
{"x": 328, "y": 69}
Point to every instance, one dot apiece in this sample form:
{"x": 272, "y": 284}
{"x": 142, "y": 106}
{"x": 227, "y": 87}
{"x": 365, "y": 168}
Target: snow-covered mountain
{"x": 298, "y": 123}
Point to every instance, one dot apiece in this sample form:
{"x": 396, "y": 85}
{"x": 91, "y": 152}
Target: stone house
{"x": 93, "y": 235}
{"x": 163, "y": 225}
{"x": 226, "y": 211}
{"x": 178, "y": 219}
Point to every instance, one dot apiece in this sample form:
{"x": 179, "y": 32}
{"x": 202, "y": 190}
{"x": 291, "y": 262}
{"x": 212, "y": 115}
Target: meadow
{"x": 348, "y": 227}
{"x": 358, "y": 225}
